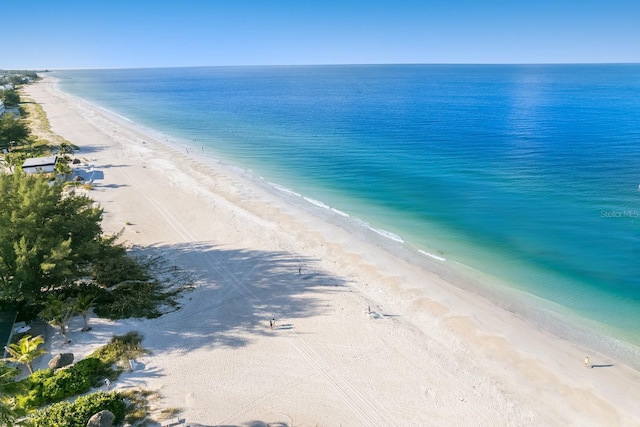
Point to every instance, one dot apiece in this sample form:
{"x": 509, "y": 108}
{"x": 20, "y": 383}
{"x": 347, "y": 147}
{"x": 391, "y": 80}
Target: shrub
{"x": 34, "y": 383}
{"x": 114, "y": 266}
{"x": 132, "y": 290}
{"x": 132, "y": 299}
{"x": 77, "y": 414}
{"x": 93, "y": 369}
{"x": 46, "y": 386}
{"x": 119, "y": 348}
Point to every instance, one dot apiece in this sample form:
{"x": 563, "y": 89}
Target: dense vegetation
{"x": 53, "y": 388}
{"x": 53, "y": 252}
{"x": 55, "y": 262}
{"x": 49, "y": 386}
{"x": 13, "y": 131}
{"x": 47, "y": 239}
{"x": 17, "y": 77}
{"x": 77, "y": 414}
{"x": 54, "y": 259}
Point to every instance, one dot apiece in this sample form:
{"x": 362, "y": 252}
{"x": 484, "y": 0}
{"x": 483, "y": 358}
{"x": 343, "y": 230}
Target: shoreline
{"x": 501, "y": 272}
{"x": 493, "y": 356}
{"x": 553, "y": 317}
{"x": 505, "y": 281}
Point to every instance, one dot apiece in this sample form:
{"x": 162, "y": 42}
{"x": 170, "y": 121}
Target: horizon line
{"x": 44, "y": 69}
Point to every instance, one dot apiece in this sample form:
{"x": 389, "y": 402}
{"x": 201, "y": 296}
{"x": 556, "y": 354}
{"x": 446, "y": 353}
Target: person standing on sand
{"x": 586, "y": 362}
{"x": 271, "y": 324}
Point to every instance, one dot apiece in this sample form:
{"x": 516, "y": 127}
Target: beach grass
{"x": 39, "y": 125}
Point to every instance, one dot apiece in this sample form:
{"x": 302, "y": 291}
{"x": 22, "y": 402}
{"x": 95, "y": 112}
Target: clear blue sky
{"x": 155, "y": 33}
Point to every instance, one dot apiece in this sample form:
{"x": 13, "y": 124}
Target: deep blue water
{"x": 529, "y": 173}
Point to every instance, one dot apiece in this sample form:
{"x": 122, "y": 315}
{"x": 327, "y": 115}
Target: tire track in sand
{"x": 365, "y": 408}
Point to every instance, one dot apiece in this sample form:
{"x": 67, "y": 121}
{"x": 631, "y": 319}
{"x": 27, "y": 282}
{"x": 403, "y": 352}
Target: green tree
{"x": 65, "y": 149}
{"x": 12, "y": 130}
{"x": 9, "y": 388}
{"x": 14, "y": 160}
{"x": 83, "y": 304}
{"x": 11, "y": 98}
{"x": 63, "y": 168}
{"x": 57, "y": 313}
{"x": 26, "y": 350}
{"x": 113, "y": 266}
{"x": 8, "y": 385}
{"x": 47, "y": 239}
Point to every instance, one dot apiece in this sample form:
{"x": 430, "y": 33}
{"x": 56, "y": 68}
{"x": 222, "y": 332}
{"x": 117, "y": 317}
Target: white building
{"x": 40, "y": 165}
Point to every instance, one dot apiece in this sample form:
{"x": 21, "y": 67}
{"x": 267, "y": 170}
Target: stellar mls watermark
{"x": 630, "y": 213}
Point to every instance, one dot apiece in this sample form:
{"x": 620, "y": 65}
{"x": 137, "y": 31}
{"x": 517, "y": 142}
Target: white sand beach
{"x": 428, "y": 353}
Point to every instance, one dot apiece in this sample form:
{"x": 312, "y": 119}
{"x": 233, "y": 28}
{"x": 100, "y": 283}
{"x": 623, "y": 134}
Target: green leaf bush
{"x": 47, "y": 386}
{"x": 78, "y": 413}
{"x": 120, "y": 346}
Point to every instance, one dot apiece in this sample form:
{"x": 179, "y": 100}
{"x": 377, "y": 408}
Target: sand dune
{"x": 427, "y": 353}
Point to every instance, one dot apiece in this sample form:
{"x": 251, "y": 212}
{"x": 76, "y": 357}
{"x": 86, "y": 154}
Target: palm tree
{"x": 65, "y": 148}
{"x": 57, "y": 312}
{"x": 83, "y": 304}
{"x": 63, "y": 169}
{"x": 26, "y": 350}
{"x": 8, "y": 389}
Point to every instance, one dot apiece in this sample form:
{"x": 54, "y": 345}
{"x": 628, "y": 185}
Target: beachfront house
{"x": 36, "y": 165}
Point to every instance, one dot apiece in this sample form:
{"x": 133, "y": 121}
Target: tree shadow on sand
{"x": 237, "y": 294}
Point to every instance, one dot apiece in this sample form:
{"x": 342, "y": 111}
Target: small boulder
{"x": 61, "y": 360}
{"x": 101, "y": 419}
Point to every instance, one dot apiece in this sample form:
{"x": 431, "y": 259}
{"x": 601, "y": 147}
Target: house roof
{"x": 37, "y": 165}
{"x": 40, "y": 161}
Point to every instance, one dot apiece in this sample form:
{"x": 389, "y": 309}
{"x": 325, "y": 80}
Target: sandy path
{"x": 427, "y": 354}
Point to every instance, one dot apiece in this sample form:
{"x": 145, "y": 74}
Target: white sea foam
{"x": 317, "y": 203}
{"x": 387, "y": 234}
{"x": 113, "y": 113}
{"x": 339, "y": 212}
{"x": 434, "y": 256}
{"x": 308, "y": 199}
{"x": 284, "y": 189}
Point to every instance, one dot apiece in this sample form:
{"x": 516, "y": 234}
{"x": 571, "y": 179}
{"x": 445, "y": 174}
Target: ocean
{"x": 521, "y": 182}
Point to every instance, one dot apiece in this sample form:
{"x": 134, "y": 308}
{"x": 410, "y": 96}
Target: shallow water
{"x": 528, "y": 174}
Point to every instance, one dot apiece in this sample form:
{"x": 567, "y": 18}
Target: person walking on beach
{"x": 271, "y": 324}
{"x": 586, "y": 362}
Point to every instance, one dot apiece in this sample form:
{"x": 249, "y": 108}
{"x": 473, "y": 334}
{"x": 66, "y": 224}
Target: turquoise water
{"x": 529, "y": 174}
